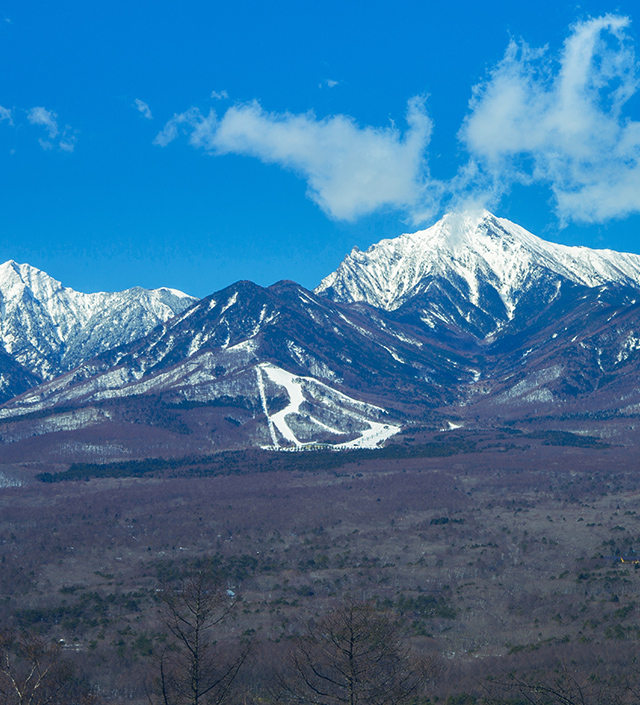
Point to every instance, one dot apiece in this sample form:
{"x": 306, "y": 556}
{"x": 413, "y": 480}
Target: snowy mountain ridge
{"x": 49, "y": 328}
{"x": 475, "y": 321}
{"x": 472, "y": 251}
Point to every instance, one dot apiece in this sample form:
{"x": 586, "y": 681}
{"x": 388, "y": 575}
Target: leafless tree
{"x": 193, "y": 669}
{"x": 561, "y": 685}
{"x": 34, "y": 672}
{"x": 355, "y": 655}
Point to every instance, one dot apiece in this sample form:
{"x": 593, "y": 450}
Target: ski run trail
{"x": 372, "y": 437}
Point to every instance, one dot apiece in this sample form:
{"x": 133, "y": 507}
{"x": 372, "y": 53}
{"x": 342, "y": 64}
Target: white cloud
{"x": 350, "y": 170}
{"x": 49, "y": 120}
{"x": 46, "y": 118}
{"x": 67, "y": 142}
{"x": 190, "y": 122}
{"x": 143, "y": 109}
{"x": 560, "y": 121}
{"x": 5, "y": 114}
{"x": 219, "y": 95}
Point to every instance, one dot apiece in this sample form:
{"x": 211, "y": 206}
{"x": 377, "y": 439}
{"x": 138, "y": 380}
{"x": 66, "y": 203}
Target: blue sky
{"x": 194, "y": 144}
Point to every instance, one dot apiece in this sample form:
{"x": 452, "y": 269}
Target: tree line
{"x": 357, "y": 654}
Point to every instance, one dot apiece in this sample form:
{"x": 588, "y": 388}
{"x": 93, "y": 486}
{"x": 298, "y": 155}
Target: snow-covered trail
{"x": 292, "y": 385}
{"x": 263, "y": 399}
{"x": 372, "y": 437}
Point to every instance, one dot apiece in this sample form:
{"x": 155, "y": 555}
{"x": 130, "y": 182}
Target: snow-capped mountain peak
{"x": 481, "y": 257}
{"x": 475, "y": 315}
{"x": 49, "y": 328}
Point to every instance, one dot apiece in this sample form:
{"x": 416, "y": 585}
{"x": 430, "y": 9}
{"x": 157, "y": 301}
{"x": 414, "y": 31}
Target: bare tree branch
{"x": 193, "y": 669}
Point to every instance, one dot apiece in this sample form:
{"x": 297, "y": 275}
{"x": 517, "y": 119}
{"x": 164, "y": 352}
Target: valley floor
{"x": 504, "y": 554}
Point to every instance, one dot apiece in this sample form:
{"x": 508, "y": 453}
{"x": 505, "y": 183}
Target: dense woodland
{"x": 464, "y": 568}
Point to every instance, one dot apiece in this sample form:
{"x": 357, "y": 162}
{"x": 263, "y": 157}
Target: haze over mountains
{"x": 471, "y": 322}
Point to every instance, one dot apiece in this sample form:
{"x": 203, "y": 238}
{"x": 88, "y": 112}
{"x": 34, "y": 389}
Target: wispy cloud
{"x": 219, "y": 95}
{"x": 68, "y": 140}
{"x": 49, "y": 120}
{"x": 560, "y": 121}
{"x": 193, "y": 123}
{"x": 5, "y": 114}
{"x": 46, "y": 118}
{"x": 350, "y": 169}
{"x": 143, "y": 109}
{"x": 539, "y": 117}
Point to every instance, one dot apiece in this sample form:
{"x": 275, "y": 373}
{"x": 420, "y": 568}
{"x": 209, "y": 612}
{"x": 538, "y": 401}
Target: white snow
{"x": 373, "y": 436}
{"x": 230, "y": 303}
{"x": 248, "y": 345}
{"x": 296, "y": 398}
{"x": 630, "y": 345}
{"x": 393, "y": 354}
{"x": 475, "y": 248}
{"x": 50, "y": 328}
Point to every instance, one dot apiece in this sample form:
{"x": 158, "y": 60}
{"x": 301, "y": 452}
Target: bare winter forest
{"x": 474, "y": 567}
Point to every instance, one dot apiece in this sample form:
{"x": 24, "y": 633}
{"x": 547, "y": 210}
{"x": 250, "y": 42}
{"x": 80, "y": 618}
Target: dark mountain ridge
{"x": 471, "y": 323}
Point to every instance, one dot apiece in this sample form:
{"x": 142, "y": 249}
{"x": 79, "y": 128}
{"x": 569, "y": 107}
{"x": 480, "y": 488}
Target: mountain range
{"x": 473, "y": 322}
{"x": 48, "y": 328}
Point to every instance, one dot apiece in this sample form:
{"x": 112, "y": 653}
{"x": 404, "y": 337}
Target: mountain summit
{"x": 49, "y": 328}
{"x": 474, "y": 319}
{"x": 472, "y": 266}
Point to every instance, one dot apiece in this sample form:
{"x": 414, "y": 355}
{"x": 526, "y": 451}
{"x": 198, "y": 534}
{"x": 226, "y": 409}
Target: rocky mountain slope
{"x": 333, "y": 369}
{"x": 473, "y": 270}
{"x": 473, "y": 322}
{"x": 48, "y": 328}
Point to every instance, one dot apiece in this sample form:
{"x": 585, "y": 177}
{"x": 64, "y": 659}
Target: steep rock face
{"x": 48, "y": 328}
{"x": 472, "y": 270}
{"x": 352, "y": 348}
{"x": 14, "y": 379}
{"x": 473, "y": 319}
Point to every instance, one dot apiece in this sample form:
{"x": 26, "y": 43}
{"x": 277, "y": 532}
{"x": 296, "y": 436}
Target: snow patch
{"x": 374, "y": 434}
{"x": 6, "y": 481}
{"x": 229, "y": 303}
{"x": 631, "y": 344}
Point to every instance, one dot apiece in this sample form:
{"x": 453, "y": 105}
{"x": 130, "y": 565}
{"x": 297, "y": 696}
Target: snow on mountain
{"x": 474, "y": 315}
{"x": 49, "y": 328}
{"x": 309, "y": 400}
{"x": 244, "y": 325}
{"x": 277, "y": 367}
{"x": 14, "y": 378}
{"x": 484, "y": 262}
